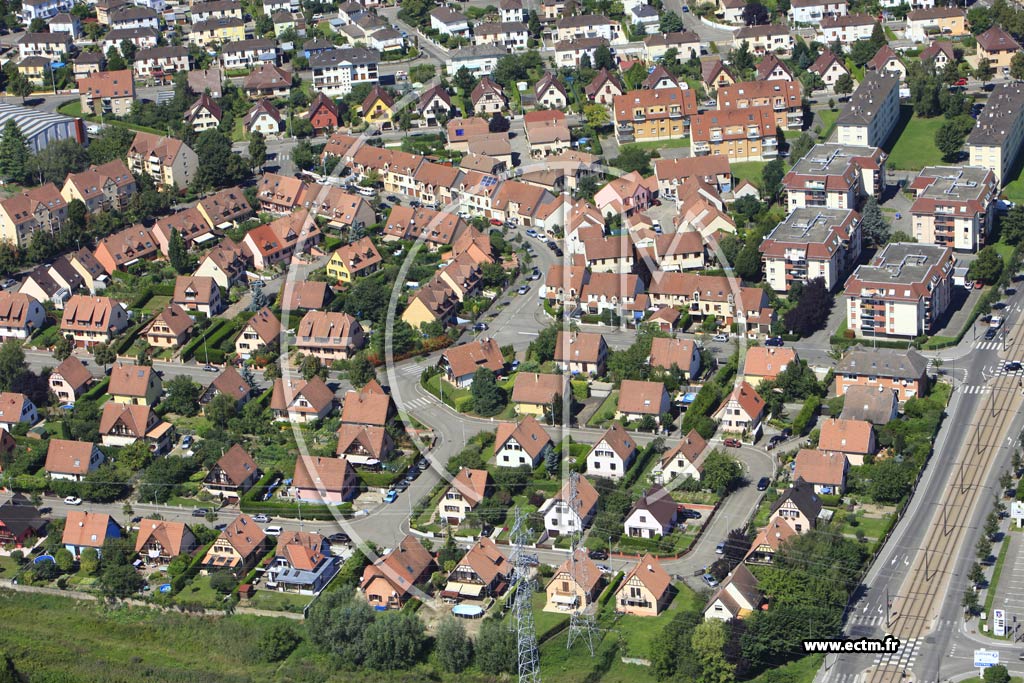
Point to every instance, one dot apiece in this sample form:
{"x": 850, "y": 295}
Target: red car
{"x": 495, "y": 221}
{"x": 732, "y": 443}
{"x": 962, "y": 81}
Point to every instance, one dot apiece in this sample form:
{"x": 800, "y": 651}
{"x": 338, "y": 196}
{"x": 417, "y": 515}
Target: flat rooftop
{"x": 830, "y": 158}
{"x": 809, "y": 225}
{"x": 903, "y": 263}
{"x": 956, "y": 183}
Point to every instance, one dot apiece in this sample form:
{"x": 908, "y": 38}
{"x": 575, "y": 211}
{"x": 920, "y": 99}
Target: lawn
{"x": 74, "y": 109}
{"x": 662, "y": 144}
{"x": 828, "y": 123}
{"x": 915, "y": 147}
{"x": 750, "y": 171}
{"x": 200, "y": 592}
{"x": 637, "y": 633}
{"x": 800, "y": 671}
{"x": 8, "y": 567}
{"x": 156, "y": 303}
{"x": 1014, "y": 190}
{"x": 606, "y": 412}
{"x": 280, "y": 602}
{"x": 993, "y": 584}
{"x": 542, "y": 620}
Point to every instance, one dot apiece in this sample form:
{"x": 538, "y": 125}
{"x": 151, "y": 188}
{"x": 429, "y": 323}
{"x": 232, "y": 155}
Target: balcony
{"x": 754, "y": 135}
{"x": 639, "y": 116}
{"x": 716, "y": 137}
{"x": 778, "y": 105}
{"x": 769, "y": 152}
{"x": 770, "y": 141}
{"x": 701, "y": 148}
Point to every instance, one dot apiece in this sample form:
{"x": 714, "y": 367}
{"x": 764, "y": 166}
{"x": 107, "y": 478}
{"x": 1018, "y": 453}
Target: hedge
{"x": 179, "y": 582}
{"x": 609, "y": 592}
{"x": 125, "y": 341}
{"x": 97, "y": 390}
{"x": 286, "y": 508}
{"x": 188, "y": 351}
{"x": 580, "y": 389}
{"x": 806, "y": 415}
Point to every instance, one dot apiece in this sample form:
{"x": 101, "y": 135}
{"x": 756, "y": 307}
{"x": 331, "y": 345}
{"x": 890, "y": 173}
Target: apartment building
{"x": 846, "y": 29}
{"x": 653, "y": 115}
{"x": 945, "y": 21}
{"x": 106, "y": 93}
{"x": 101, "y": 188}
{"x": 998, "y": 135}
{"x": 766, "y": 38}
{"x": 812, "y": 242}
{"x": 23, "y": 214}
{"x": 785, "y": 98}
{"x": 739, "y": 134}
{"x": 168, "y": 161}
{"x": 813, "y": 11}
{"x": 836, "y": 176}
{"x": 871, "y": 112}
{"x": 336, "y": 71}
{"x": 902, "y": 292}
{"x": 954, "y": 206}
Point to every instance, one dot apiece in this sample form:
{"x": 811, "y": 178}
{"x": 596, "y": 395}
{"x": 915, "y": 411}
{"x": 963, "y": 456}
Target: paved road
{"x": 922, "y": 569}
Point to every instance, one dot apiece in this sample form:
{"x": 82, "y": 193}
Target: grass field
{"x": 156, "y": 303}
{"x": 828, "y": 123}
{"x": 915, "y": 147}
{"x": 606, "y": 412}
{"x": 663, "y": 144}
{"x": 281, "y": 602}
{"x": 800, "y": 671}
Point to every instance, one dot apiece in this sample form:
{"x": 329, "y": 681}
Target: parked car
{"x": 774, "y": 341}
{"x": 762, "y": 483}
{"x": 598, "y": 554}
{"x": 480, "y": 327}
{"x": 186, "y": 441}
{"x": 961, "y": 82}
{"x": 523, "y": 289}
{"x": 273, "y": 531}
{"x": 531, "y": 233}
{"x": 339, "y": 538}
{"x": 423, "y": 463}
{"x": 732, "y": 443}
{"x": 1010, "y": 291}
{"x": 786, "y": 432}
{"x": 999, "y": 305}
{"x": 198, "y": 512}
{"x": 413, "y": 473}
{"x": 711, "y": 581}
{"x": 391, "y": 496}
{"x": 260, "y": 518}
{"x": 990, "y": 333}
{"x": 722, "y": 337}
{"x": 604, "y": 569}
{"x": 72, "y": 500}
{"x": 402, "y": 486}
{"x": 495, "y": 222}
{"x": 392, "y": 198}
{"x": 720, "y": 548}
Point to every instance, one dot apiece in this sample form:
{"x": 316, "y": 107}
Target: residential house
{"x": 198, "y": 293}
{"x": 296, "y": 400}
{"x": 93, "y": 275}
{"x": 673, "y": 173}
{"x": 886, "y": 61}
{"x": 336, "y": 71}
{"x": 785, "y": 98}
{"x": 938, "y": 54}
{"x": 766, "y": 363}
{"x": 736, "y": 598}
{"x": 488, "y": 97}
{"x": 813, "y": 11}
{"x": 877, "y": 405}
{"x": 70, "y": 380}
{"x": 435, "y": 301}
{"x": 682, "y": 354}
{"x": 581, "y": 353}
{"x": 798, "y": 506}
{"x": 903, "y": 371}
{"x": 263, "y": 118}
{"x": 613, "y": 453}
{"x": 534, "y": 393}
{"x": 564, "y": 517}
{"x": 709, "y": 295}
{"x": 107, "y": 187}
{"x": 646, "y": 591}
{"x": 741, "y": 411}
{"x": 167, "y": 160}
{"x": 626, "y": 195}
{"x": 169, "y": 329}
{"x": 604, "y": 88}
{"x": 513, "y": 36}
{"x": 379, "y": 108}
{"x": 354, "y": 260}
{"x": 468, "y": 488}
{"x": 238, "y": 53}
{"x": 550, "y": 92}
{"x": 588, "y": 26}
{"x": 434, "y": 106}
{"x": 261, "y": 330}
{"x": 41, "y": 209}
{"x": 847, "y": 29}
{"x": 370, "y": 406}
{"x": 364, "y": 445}
{"x": 685, "y": 459}
{"x": 160, "y": 541}
{"x": 238, "y": 548}
{"x": 226, "y": 263}
{"x": 477, "y": 59}
{"x": 685, "y": 43}
{"x": 998, "y": 47}
{"x": 829, "y": 68}
{"x": 161, "y": 63}
{"x": 574, "y": 585}
{"x": 20, "y": 315}
{"x": 459, "y": 363}
{"x": 902, "y": 293}
{"x": 208, "y": 81}
{"x": 653, "y": 515}
{"x": 230, "y": 383}
{"x": 387, "y": 583}
{"x": 53, "y": 46}
{"x": 825, "y": 471}
{"x": 191, "y": 226}
{"x": 20, "y": 521}
{"x": 954, "y": 206}
{"x": 303, "y": 563}
{"x": 768, "y": 541}
{"x": 92, "y": 320}
{"x": 321, "y": 480}
{"x": 447, "y": 21}
{"x": 224, "y": 209}
{"x": 233, "y": 474}
{"x": 639, "y": 400}
{"x": 71, "y": 460}
{"x": 329, "y": 336}
{"x": 16, "y": 408}
{"x": 771, "y": 68}
{"x": 278, "y": 241}
{"x": 765, "y": 38}
{"x": 812, "y": 243}
{"x": 852, "y": 439}
{"x": 135, "y": 385}
{"x": 522, "y": 443}
{"x": 88, "y": 530}
{"x": 125, "y": 248}
{"x": 323, "y": 114}
{"x": 123, "y": 424}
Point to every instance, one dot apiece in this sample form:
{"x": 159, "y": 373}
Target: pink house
{"x": 627, "y": 195}
{"x": 324, "y": 480}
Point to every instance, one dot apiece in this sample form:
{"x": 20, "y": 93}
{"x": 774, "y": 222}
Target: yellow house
{"x": 646, "y": 591}
{"x": 35, "y": 70}
{"x": 435, "y": 301}
{"x": 217, "y": 31}
{"x": 135, "y": 385}
{"x": 378, "y": 108}
{"x": 354, "y": 260}
{"x": 533, "y": 392}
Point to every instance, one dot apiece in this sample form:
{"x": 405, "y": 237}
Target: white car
{"x": 720, "y": 338}
{"x": 273, "y": 531}
{"x": 72, "y": 500}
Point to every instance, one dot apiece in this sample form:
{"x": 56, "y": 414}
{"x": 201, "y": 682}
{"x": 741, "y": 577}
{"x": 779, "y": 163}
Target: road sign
{"x": 986, "y": 658}
{"x": 999, "y": 623}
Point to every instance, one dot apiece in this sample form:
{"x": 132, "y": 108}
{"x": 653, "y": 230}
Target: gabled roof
{"x": 691, "y": 447}
{"x": 244, "y": 535}
{"x": 997, "y": 40}
{"x": 330, "y": 475}
{"x": 820, "y": 467}
{"x": 769, "y": 64}
{"x": 130, "y": 380}
{"x": 874, "y": 404}
{"x": 889, "y": 363}
{"x": 465, "y": 359}
{"x": 230, "y": 382}
{"x": 69, "y": 457}
{"x": 472, "y": 484}
{"x": 401, "y": 567}
{"x": 666, "y": 352}
{"x": 749, "y": 400}
{"x": 803, "y": 497}
{"x": 486, "y": 560}
{"x": 537, "y": 388}
{"x": 845, "y": 436}
{"x": 302, "y": 550}
{"x": 73, "y": 372}
{"x": 825, "y": 60}
{"x": 637, "y": 396}
{"x": 579, "y": 347}
{"x": 767, "y": 362}
{"x": 658, "y": 504}
{"x": 772, "y": 536}
{"x": 175, "y": 318}
{"x": 237, "y": 465}
{"x": 586, "y": 496}
{"x": 374, "y": 440}
{"x": 530, "y": 436}
{"x": 649, "y": 572}
{"x": 266, "y": 325}
{"x": 174, "y": 537}
{"x": 86, "y": 529}
{"x": 621, "y": 443}
{"x": 315, "y": 391}
{"x": 367, "y": 407}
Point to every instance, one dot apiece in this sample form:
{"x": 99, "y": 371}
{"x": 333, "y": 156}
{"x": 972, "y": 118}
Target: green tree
{"x": 311, "y": 367}
{"x": 1017, "y": 66}
{"x": 177, "y": 253}
{"x": 12, "y": 364}
{"x": 996, "y": 674}
{"x": 811, "y": 311}
{"x": 361, "y": 371}
{"x": 748, "y": 262}
{"x": 721, "y": 472}
{"x": 671, "y": 653}
{"x": 495, "y": 648}
{"x": 873, "y": 224}
{"x": 1012, "y": 225}
{"x": 464, "y": 80}
{"x": 120, "y": 581}
{"x": 395, "y": 640}
{"x": 596, "y": 115}
{"x": 542, "y": 348}
{"x": 452, "y": 646}
{"x": 669, "y": 22}
{"x": 278, "y": 641}
{"x": 771, "y": 179}
{"x": 987, "y": 267}
{"x": 112, "y": 143}
{"x": 220, "y": 410}
{"x": 64, "y": 559}
{"x": 302, "y": 155}
{"x": 983, "y": 548}
{"x": 14, "y": 153}
{"x": 949, "y": 138}
{"x": 709, "y": 644}
{"x": 603, "y": 57}
{"x": 223, "y": 582}
{"x": 257, "y": 150}
{"x": 843, "y": 85}
{"x": 182, "y": 396}
{"x": 115, "y": 62}
{"x": 977, "y": 575}
{"x": 89, "y": 561}
{"x": 801, "y": 146}
{"x": 488, "y": 398}
{"x": 20, "y": 86}
{"x": 633, "y": 158}
{"x": 984, "y": 72}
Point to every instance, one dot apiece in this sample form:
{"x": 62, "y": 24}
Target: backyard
{"x": 915, "y": 147}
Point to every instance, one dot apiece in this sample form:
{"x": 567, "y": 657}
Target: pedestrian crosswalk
{"x": 975, "y": 389}
{"x": 988, "y": 345}
{"x": 903, "y": 659}
{"x": 867, "y": 620}
{"x": 418, "y": 402}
